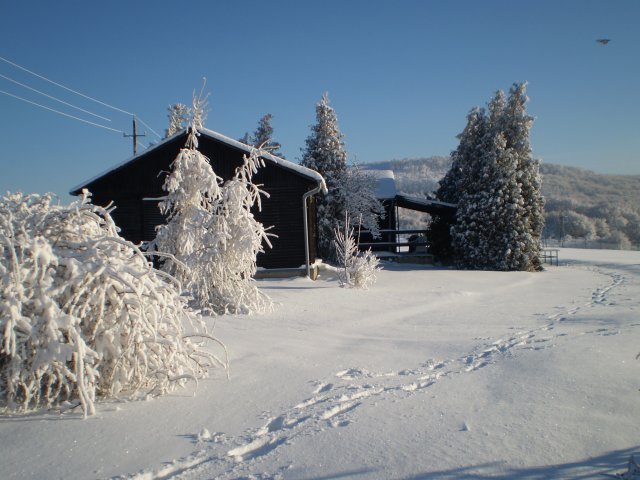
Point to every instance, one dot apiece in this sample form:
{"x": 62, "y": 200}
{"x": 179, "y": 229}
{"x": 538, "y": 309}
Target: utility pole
{"x": 135, "y": 136}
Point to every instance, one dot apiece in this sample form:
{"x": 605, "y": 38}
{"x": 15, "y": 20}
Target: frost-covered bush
{"x": 355, "y": 269}
{"x": 83, "y": 315}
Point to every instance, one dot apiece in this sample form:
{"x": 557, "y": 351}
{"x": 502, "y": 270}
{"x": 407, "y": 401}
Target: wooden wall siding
{"x": 151, "y": 218}
{"x": 144, "y": 177}
{"x": 128, "y": 217}
{"x": 283, "y": 212}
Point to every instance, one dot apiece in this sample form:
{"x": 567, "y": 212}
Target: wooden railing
{"x": 549, "y": 255}
{"x": 417, "y": 249}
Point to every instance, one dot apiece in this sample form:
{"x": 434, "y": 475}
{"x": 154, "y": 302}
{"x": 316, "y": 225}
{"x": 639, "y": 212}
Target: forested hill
{"x": 594, "y": 208}
{"x": 415, "y": 176}
{"x": 585, "y": 186}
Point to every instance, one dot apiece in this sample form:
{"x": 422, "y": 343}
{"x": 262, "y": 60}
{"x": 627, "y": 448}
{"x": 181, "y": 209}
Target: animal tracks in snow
{"x": 335, "y": 401}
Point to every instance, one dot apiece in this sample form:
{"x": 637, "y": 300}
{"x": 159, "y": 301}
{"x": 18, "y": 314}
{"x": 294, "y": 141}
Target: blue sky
{"x": 401, "y": 75}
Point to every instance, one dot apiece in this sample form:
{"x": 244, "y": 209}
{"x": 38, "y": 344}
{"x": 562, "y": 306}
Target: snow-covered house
{"x": 135, "y": 187}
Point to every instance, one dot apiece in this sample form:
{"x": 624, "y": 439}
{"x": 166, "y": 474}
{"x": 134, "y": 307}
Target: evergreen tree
{"x": 499, "y": 216}
{"x": 517, "y": 126}
{"x": 324, "y": 153}
{"x": 263, "y": 137}
{"x": 456, "y": 180}
{"x": 178, "y": 119}
{"x": 246, "y": 139}
{"x": 463, "y": 157}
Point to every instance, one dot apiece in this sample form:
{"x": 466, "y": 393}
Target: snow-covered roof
{"x": 385, "y": 183}
{"x": 304, "y": 171}
{"x": 428, "y": 205}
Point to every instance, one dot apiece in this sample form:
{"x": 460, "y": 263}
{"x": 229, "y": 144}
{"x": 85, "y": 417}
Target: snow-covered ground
{"x": 429, "y": 374}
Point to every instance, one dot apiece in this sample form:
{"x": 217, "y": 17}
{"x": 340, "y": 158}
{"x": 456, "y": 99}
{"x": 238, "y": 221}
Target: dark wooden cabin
{"x": 393, "y": 239}
{"x": 135, "y": 187}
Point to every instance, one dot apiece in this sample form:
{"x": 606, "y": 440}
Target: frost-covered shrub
{"x": 355, "y": 269}
{"x": 83, "y": 315}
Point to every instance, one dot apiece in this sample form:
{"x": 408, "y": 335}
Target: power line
{"x": 152, "y": 130}
{"x": 61, "y": 113}
{"x": 77, "y": 93}
{"x": 66, "y": 88}
{"x": 54, "y": 98}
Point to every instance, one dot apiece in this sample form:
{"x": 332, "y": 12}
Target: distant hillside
{"x": 416, "y": 176}
{"x": 582, "y": 207}
{"x": 587, "y": 187}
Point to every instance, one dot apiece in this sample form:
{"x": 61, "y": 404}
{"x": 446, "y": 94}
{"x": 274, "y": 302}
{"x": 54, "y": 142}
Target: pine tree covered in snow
{"x": 324, "y": 152}
{"x": 211, "y": 232}
{"x": 263, "y": 137}
{"x": 499, "y": 216}
{"x": 517, "y": 127}
{"x": 464, "y": 165}
{"x": 463, "y": 158}
{"x": 83, "y": 315}
{"x": 178, "y": 118}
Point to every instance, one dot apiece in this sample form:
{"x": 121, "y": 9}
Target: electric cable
{"x": 61, "y": 113}
{"x": 66, "y": 88}
{"x": 54, "y": 98}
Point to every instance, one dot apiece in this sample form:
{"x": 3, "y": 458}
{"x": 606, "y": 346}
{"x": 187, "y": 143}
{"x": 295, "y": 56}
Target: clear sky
{"x": 401, "y": 74}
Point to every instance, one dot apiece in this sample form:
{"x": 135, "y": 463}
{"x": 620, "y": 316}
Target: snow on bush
{"x": 355, "y": 269}
{"x": 83, "y": 315}
{"x": 211, "y": 232}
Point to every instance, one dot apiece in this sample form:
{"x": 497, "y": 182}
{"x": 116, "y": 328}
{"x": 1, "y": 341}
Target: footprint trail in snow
{"x": 332, "y": 403}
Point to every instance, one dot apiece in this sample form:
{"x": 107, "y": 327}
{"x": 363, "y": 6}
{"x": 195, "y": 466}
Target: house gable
{"x": 135, "y": 188}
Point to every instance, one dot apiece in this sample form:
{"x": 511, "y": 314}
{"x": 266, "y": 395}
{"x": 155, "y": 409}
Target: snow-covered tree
{"x": 464, "y": 158}
{"x": 223, "y": 266}
{"x": 517, "y": 124}
{"x": 211, "y": 232}
{"x": 193, "y": 193}
{"x": 324, "y": 152}
{"x": 83, "y": 315}
{"x": 499, "y": 216}
{"x": 178, "y": 118}
{"x": 485, "y": 235}
{"x": 459, "y": 179}
{"x": 361, "y": 204}
{"x": 355, "y": 269}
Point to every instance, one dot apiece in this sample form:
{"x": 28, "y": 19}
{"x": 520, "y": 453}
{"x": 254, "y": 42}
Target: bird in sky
{"x": 603, "y": 41}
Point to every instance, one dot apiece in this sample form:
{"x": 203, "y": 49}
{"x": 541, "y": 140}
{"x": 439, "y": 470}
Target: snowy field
{"x": 429, "y": 374}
